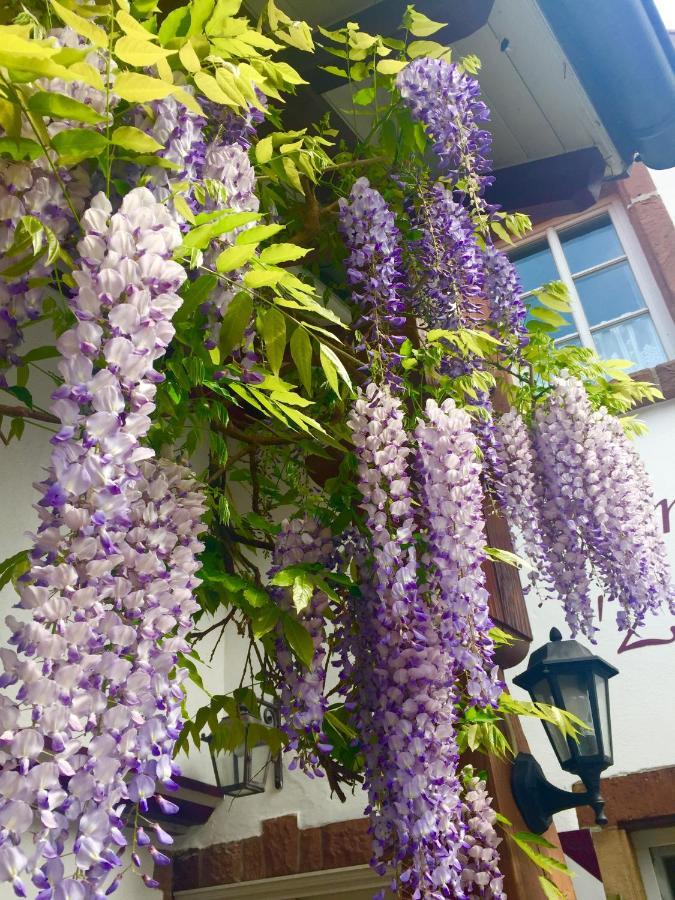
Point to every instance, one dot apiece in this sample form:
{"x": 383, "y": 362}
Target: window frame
{"x": 635, "y": 257}
{"x": 653, "y": 877}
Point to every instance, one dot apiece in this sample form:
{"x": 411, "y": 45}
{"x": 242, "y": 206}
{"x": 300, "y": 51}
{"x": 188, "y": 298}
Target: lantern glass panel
{"x": 260, "y": 758}
{"x": 575, "y": 690}
{"x": 602, "y": 691}
{"x": 541, "y": 692}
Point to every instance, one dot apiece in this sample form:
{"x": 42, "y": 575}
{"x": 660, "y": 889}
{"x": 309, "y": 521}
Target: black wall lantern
{"x": 567, "y": 675}
{"x": 243, "y": 772}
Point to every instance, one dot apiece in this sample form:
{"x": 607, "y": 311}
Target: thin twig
{"x": 23, "y": 412}
{"x": 198, "y": 635}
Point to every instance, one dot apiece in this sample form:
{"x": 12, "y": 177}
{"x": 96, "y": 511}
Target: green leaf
{"x": 60, "y": 106}
{"x": 279, "y": 253}
{"x": 549, "y": 316}
{"x": 137, "y": 88}
{"x": 174, "y": 25}
{"x": 265, "y": 620}
{"x": 40, "y": 353}
{"x": 527, "y": 842}
{"x": 258, "y": 233}
{"x": 364, "y": 97}
{"x": 21, "y": 393}
{"x": 303, "y": 590}
{"x": 134, "y": 139}
{"x": 427, "y": 48}
{"x": 273, "y": 328}
{"x": 234, "y": 257}
{"x": 299, "y": 639}
{"x": 13, "y": 566}
{"x": 234, "y": 323}
{"x": 550, "y": 890}
{"x": 263, "y": 278}
{"x": 391, "y": 66}
{"x": 301, "y": 353}
{"x": 20, "y": 148}
{"x": 496, "y": 554}
{"x": 200, "y": 237}
{"x": 332, "y": 366}
{"x": 264, "y": 149}
{"x": 83, "y": 27}
{"x": 420, "y": 25}
{"x": 76, "y": 144}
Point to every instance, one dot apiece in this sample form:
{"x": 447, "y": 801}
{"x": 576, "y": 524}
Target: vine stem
{"x": 23, "y": 412}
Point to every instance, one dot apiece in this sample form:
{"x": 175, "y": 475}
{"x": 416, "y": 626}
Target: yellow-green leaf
{"x": 548, "y": 316}
{"x": 258, "y": 278}
{"x": 83, "y": 27}
{"x": 328, "y": 355}
{"x": 258, "y": 233}
{"x": 137, "y": 52}
{"x": 132, "y": 27}
{"x": 189, "y": 58}
{"x": 84, "y": 72}
{"x": 279, "y": 253}
{"x": 426, "y": 48}
{"x": 137, "y": 88}
{"x": 420, "y": 25}
{"x": 234, "y": 257}
{"x": 264, "y": 150}
{"x": 301, "y": 352}
{"x": 273, "y": 328}
{"x": 208, "y": 85}
{"x": 391, "y": 66}
{"x": 134, "y": 139}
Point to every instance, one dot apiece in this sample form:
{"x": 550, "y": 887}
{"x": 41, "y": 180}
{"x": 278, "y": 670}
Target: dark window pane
{"x": 635, "y": 339}
{"x": 590, "y": 244}
{"x": 535, "y": 266}
{"x": 609, "y": 293}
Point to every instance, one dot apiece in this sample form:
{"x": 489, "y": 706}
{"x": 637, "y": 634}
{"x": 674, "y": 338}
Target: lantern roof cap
{"x": 558, "y": 653}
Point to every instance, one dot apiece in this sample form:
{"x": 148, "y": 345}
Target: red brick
{"x": 346, "y": 844}
{"x": 252, "y": 857}
{"x": 281, "y": 846}
{"x": 311, "y": 850}
{"x": 186, "y": 870}
{"x": 636, "y": 799}
{"x": 222, "y": 864}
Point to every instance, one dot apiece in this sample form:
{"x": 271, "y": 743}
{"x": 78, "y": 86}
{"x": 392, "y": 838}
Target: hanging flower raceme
{"x": 592, "y": 515}
{"x": 447, "y": 100}
{"x": 481, "y": 878}
{"x": 422, "y": 632}
{"x": 90, "y": 733}
{"x": 452, "y": 499}
{"x": 374, "y": 272}
{"x": 30, "y": 190}
{"x": 303, "y": 694}
{"x": 503, "y": 291}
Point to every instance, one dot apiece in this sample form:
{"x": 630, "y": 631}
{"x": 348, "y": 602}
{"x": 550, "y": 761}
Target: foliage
{"x": 271, "y": 344}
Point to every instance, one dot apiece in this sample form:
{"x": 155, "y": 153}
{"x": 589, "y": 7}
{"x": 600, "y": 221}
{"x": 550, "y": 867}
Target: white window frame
{"x": 652, "y": 876}
{"x": 633, "y": 254}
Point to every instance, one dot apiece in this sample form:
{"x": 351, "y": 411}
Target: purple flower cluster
{"x": 579, "y": 494}
{"x": 452, "y": 499}
{"x": 503, "y": 292}
{"x": 449, "y": 287}
{"x": 303, "y": 700}
{"x": 29, "y": 190}
{"x": 481, "y": 878}
{"x": 374, "y": 272}
{"x": 447, "y": 101}
{"x": 88, "y": 739}
{"x": 416, "y": 655}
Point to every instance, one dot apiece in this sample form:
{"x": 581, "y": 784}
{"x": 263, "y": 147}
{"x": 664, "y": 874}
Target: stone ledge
{"x": 637, "y": 800}
{"x": 663, "y": 376}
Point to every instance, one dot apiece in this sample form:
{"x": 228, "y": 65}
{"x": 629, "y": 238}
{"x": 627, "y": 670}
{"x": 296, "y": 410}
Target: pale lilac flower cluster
{"x": 89, "y": 736}
{"x": 303, "y": 700}
{"x": 447, "y": 100}
{"x": 452, "y": 499}
{"x": 27, "y": 189}
{"x": 481, "y": 878}
{"x": 374, "y": 272}
{"x": 415, "y": 660}
{"x": 579, "y": 494}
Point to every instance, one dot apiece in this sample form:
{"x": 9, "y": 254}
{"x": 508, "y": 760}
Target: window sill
{"x": 663, "y": 376}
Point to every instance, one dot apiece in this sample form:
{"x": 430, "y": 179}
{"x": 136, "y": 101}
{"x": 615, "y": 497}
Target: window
{"x": 655, "y": 853}
{"x": 611, "y": 309}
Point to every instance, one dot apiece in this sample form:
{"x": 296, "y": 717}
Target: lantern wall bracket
{"x": 537, "y": 799}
